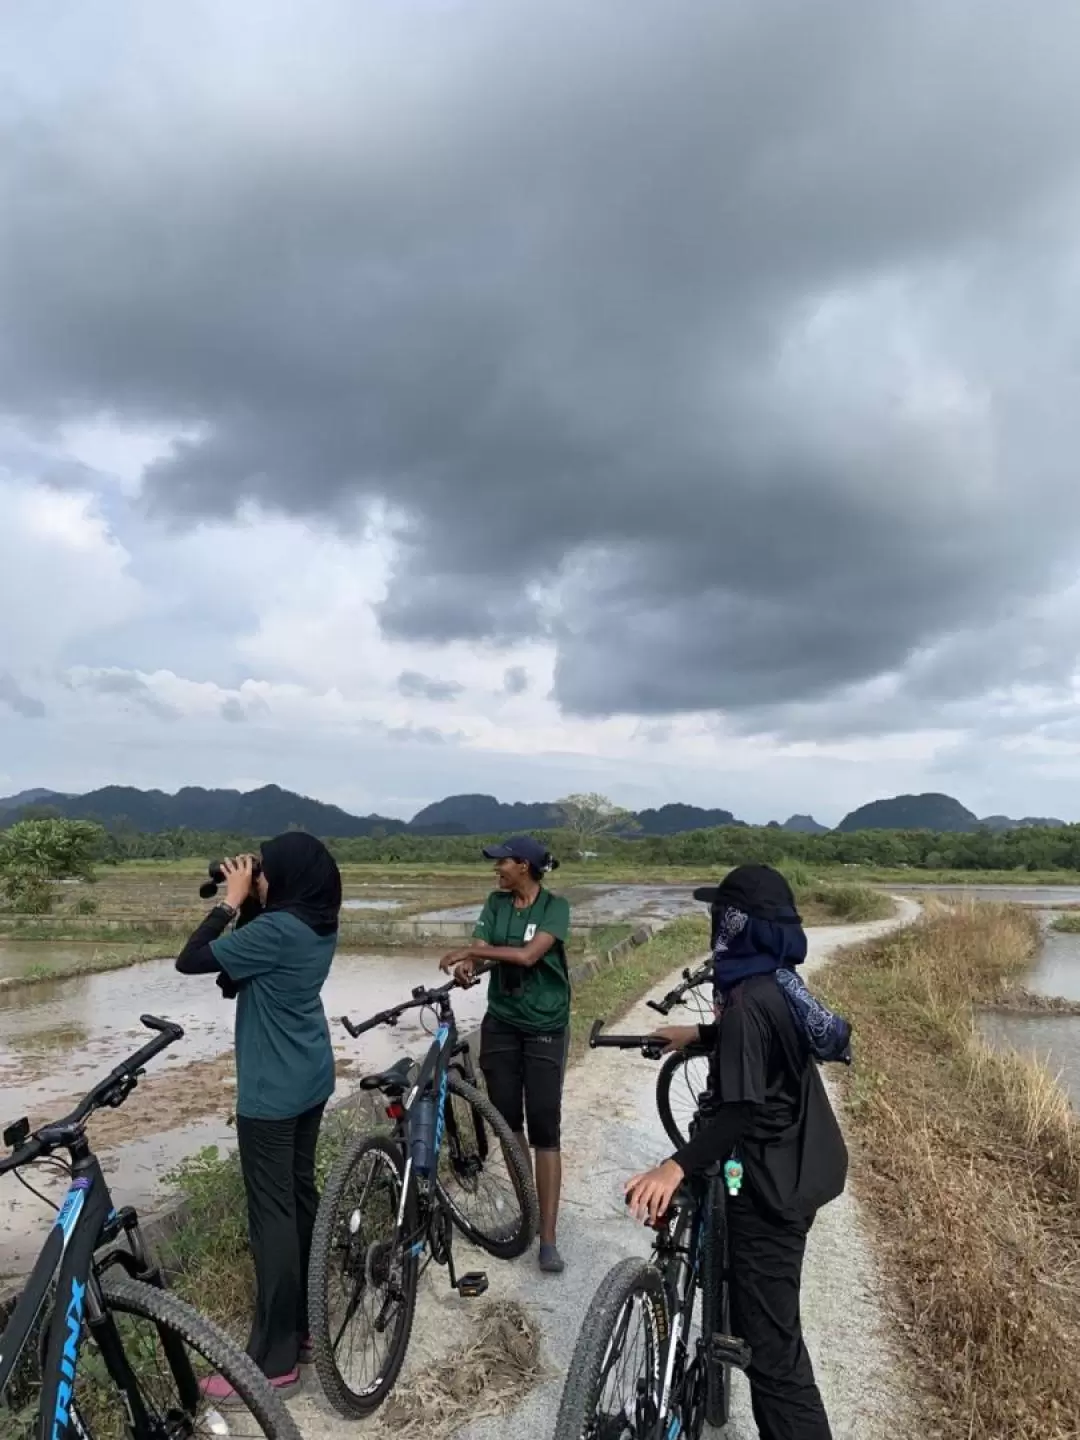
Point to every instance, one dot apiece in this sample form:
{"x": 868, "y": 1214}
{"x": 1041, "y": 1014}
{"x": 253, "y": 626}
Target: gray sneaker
{"x": 551, "y": 1262}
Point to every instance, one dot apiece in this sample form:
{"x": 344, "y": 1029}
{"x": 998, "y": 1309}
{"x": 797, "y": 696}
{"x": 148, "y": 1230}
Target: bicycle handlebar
{"x": 111, "y": 1092}
{"x": 421, "y": 997}
{"x": 690, "y": 981}
{"x": 650, "y": 1045}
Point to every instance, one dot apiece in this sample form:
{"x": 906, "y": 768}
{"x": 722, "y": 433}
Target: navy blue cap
{"x": 519, "y": 847}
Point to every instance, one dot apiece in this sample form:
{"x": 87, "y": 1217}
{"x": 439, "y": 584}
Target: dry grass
{"x": 970, "y": 1159}
{"x": 486, "y": 1377}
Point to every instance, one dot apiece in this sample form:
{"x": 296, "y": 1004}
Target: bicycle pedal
{"x": 729, "y": 1350}
{"x": 473, "y": 1284}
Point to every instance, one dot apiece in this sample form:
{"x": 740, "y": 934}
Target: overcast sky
{"x": 402, "y": 397}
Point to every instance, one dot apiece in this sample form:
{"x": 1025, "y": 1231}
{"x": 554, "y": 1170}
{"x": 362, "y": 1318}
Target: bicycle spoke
{"x": 626, "y": 1408}
{"x": 367, "y": 1290}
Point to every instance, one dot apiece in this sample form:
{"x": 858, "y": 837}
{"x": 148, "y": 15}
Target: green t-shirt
{"x": 284, "y": 1063}
{"x": 535, "y": 998}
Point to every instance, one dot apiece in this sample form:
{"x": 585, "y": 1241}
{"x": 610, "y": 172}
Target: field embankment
{"x": 970, "y": 1160}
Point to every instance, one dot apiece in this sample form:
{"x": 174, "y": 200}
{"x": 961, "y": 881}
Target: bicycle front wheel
{"x": 162, "y": 1336}
{"x": 682, "y": 1078}
{"x": 613, "y": 1387}
{"x": 362, "y": 1278}
{"x": 483, "y": 1175}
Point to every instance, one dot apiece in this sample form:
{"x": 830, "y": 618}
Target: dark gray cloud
{"x": 516, "y": 680}
{"x": 414, "y": 685}
{"x": 233, "y": 711}
{"x": 15, "y": 698}
{"x": 725, "y": 345}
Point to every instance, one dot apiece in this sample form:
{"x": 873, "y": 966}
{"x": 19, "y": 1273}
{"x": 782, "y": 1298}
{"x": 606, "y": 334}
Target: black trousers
{"x": 277, "y": 1158}
{"x": 766, "y": 1260}
{"x": 524, "y": 1074}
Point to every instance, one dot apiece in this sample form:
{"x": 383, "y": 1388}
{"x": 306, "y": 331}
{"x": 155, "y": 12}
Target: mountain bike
{"x": 684, "y": 1074}
{"x": 639, "y": 1372}
{"x": 451, "y": 1160}
{"x": 139, "y": 1377}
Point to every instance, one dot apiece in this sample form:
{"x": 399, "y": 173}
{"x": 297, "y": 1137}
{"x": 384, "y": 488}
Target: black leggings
{"x": 524, "y": 1074}
{"x": 278, "y": 1161}
{"x": 766, "y": 1275}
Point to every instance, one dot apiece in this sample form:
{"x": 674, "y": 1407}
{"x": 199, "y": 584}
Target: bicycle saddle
{"x": 394, "y": 1081}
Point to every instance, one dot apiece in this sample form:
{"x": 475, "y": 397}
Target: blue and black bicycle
{"x": 391, "y": 1203}
{"x": 96, "y": 1348}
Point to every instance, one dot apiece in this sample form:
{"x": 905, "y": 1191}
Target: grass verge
{"x": 970, "y": 1159}
{"x": 1068, "y": 923}
{"x": 612, "y": 990}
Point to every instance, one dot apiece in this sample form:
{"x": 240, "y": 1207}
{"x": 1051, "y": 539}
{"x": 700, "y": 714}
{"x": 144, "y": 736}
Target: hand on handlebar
{"x": 462, "y": 965}
{"x": 677, "y": 1037}
{"x": 648, "y": 1195}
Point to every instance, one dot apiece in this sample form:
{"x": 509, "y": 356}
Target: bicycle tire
{"x": 167, "y": 1311}
{"x": 514, "y": 1236}
{"x": 715, "y": 1301}
{"x": 583, "y": 1390}
{"x": 350, "y": 1402}
{"x": 676, "y": 1083}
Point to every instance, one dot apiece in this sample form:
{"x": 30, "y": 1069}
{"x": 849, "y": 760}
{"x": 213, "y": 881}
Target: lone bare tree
{"x": 590, "y": 817}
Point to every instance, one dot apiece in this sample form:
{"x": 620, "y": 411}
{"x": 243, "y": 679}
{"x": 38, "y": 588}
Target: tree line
{"x": 1056, "y": 848}
{"x": 34, "y": 854}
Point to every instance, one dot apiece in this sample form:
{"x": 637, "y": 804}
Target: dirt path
{"x": 611, "y": 1131}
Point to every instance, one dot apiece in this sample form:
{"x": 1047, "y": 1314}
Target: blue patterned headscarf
{"x": 744, "y": 945}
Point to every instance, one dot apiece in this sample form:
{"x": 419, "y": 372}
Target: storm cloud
{"x": 729, "y": 348}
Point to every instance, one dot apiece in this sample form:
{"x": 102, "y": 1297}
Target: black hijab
{"x": 303, "y": 880}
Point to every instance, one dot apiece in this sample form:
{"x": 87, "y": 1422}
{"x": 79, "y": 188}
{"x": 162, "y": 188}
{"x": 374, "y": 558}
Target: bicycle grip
{"x": 163, "y": 1027}
{"x": 660, "y": 1006}
{"x": 597, "y": 1026}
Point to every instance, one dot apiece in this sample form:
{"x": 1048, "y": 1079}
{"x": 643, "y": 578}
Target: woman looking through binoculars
{"x": 275, "y": 962}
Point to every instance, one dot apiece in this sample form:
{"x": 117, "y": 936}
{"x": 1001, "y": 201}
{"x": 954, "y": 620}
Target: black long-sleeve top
{"x": 197, "y": 958}
{"x": 769, "y": 1100}
{"x": 719, "y": 1132}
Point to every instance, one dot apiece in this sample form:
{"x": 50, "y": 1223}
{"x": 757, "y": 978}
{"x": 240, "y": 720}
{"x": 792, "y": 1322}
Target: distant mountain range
{"x": 270, "y": 810}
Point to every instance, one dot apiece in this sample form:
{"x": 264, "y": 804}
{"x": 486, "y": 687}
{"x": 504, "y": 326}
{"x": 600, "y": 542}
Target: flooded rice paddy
{"x": 1053, "y": 1039}
{"x": 58, "y": 1037}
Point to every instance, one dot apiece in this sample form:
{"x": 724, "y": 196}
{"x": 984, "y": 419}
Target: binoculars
{"x": 209, "y": 888}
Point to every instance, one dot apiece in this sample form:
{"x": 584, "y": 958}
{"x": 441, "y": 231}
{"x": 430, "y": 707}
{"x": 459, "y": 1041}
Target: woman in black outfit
{"x": 275, "y": 963}
{"x": 767, "y": 1107}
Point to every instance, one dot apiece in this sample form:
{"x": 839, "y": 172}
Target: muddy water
{"x": 1048, "y": 897}
{"x": 1054, "y": 1039}
{"x": 22, "y": 957}
{"x": 58, "y": 1037}
{"x": 603, "y": 905}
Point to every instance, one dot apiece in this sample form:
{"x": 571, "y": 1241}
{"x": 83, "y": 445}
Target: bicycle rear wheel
{"x": 715, "y": 1301}
{"x": 613, "y": 1387}
{"x": 362, "y": 1279}
{"x": 161, "y": 1336}
{"x": 483, "y": 1176}
{"x": 682, "y": 1078}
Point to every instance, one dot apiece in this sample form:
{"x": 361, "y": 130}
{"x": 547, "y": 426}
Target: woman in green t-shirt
{"x": 522, "y": 933}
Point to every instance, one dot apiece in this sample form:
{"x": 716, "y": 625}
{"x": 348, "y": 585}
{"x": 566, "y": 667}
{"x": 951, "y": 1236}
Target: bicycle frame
{"x": 445, "y": 1053}
{"x": 86, "y": 1222}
